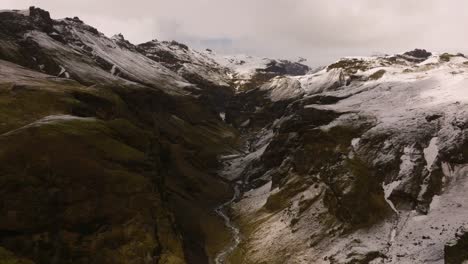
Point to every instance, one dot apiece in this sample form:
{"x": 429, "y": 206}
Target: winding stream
{"x": 236, "y": 238}
{"x": 234, "y": 165}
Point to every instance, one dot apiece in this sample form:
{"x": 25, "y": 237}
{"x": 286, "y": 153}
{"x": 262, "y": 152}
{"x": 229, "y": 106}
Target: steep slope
{"x": 69, "y": 48}
{"x": 107, "y": 173}
{"x": 365, "y": 164}
{"x": 197, "y": 67}
{"x": 186, "y": 61}
{"x": 106, "y": 154}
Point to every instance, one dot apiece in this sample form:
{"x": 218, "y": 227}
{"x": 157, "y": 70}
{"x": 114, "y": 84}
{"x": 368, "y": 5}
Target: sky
{"x": 321, "y": 31}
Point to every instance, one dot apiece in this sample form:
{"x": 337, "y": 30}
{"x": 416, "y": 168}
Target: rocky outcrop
{"x": 456, "y": 251}
{"x": 194, "y": 66}
{"x": 285, "y": 67}
{"x": 419, "y": 53}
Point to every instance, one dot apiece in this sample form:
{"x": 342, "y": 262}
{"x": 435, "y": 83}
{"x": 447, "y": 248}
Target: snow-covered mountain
{"x": 113, "y": 152}
{"x": 366, "y": 165}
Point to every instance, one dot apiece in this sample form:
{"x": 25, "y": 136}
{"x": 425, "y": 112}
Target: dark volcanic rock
{"x": 15, "y": 22}
{"x": 456, "y": 252}
{"x": 284, "y": 67}
{"x": 418, "y": 53}
{"x": 39, "y": 15}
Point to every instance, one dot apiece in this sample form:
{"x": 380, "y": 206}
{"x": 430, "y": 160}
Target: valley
{"x": 113, "y": 152}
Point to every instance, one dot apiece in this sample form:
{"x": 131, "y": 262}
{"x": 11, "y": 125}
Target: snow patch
{"x": 52, "y": 119}
{"x": 222, "y": 115}
{"x": 254, "y": 199}
{"x": 435, "y": 202}
{"x": 355, "y": 143}
{"x": 323, "y": 80}
{"x": 388, "y": 189}
{"x": 245, "y": 123}
{"x": 431, "y": 152}
{"x": 114, "y": 69}
{"x": 407, "y": 160}
{"x": 62, "y": 71}
{"x": 393, "y": 235}
{"x": 235, "y": 164}
{"x": 282, "y": 88}
{"x": 243, "y": 66}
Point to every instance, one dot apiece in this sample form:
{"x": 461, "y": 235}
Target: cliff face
{"x": 106, "y": 155}
{"x": 112, "y": 152}
{"x": 362, "y": 162}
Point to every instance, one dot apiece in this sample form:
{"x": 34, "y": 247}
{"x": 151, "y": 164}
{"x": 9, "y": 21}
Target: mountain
{"x": 113, "y": 152}
{"x": 366, "y": 164}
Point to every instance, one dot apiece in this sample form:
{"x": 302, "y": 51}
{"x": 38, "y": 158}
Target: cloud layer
{"x": 320, "y": 31}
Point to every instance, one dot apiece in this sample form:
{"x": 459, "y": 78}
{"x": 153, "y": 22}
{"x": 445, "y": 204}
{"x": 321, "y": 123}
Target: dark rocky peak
{"x": 75, "y": 19}
{"x": 118, "y": 37}
{"x": 120, "y": 40}
{"x": 170, "y": 44}
{"x": 174, "y": 43}
{"x": 163, "y": 52}
{"x": 418, "y": 53}
{"x": 39, "y": 15}
{"x": 414, "y": 56}
{"x": 76, "y": 22}
{"x": 146, "y": 46}
{"x": 350, "y": 65}
{"x": 153, "y": 42}
{"x": 286, "y": 67}
{"x": 19, "y": 21}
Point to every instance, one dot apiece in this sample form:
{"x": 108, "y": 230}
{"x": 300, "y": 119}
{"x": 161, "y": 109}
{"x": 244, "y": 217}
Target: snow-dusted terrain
{"x": 417, "y": 112}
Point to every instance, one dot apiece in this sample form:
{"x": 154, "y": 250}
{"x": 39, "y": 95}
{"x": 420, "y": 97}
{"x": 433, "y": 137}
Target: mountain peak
{"x": 39, "y": 14}
{"x": 118, "y": 37}
{"x": 419, "y": 53}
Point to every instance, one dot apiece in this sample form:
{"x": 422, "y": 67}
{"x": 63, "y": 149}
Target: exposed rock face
{"x": 354, "y": 174}
{"x": 106, "y": 173}
{"x": 194, "y": 66}
{"x": 108, "y": 162}
{"x": 456, "y": 250}
{"x": 418, "y": 53}
{"x": 112, "y": 152}
{"x": 284, "y": 67}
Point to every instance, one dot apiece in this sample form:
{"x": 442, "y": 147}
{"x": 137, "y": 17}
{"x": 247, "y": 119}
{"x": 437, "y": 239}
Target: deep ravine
{"x": 232, "y": 170}
{"x": 236, "y": 236}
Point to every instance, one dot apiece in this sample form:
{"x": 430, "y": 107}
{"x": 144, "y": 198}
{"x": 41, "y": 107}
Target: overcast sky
{"x": 319, "y": 30}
